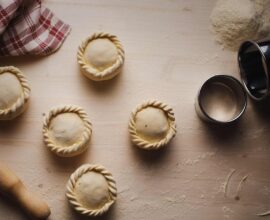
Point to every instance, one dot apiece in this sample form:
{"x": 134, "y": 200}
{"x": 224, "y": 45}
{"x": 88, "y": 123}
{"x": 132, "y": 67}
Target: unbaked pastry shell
{"x": 107, "y": 73}
{"x": 20, "y": 105}
{"x": 78, "y": 147}
{"x": 71, "y": 189}
{"x": 149, "y": 145}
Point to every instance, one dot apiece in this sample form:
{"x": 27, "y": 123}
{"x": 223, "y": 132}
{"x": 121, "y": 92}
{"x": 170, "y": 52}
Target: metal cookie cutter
{"x": 254, "y": 64}
{"x": 221, "y": 99}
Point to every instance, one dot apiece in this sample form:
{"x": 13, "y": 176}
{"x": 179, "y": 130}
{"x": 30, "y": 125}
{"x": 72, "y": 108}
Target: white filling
{"x": 10, "y": 90}
{"x": 101, "y": 53}
{"x": 92, "y": 190}
{"x": 66, "y": 129}
{"x": 151, "y": 124}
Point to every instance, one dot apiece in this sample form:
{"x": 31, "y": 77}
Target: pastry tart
{"x": 14, "y": 92}
{"x": 152, "y": 125}
{"x": 91, "y": 190}
{"x": 101, "y": 56}
{"x": 67, "y": 131}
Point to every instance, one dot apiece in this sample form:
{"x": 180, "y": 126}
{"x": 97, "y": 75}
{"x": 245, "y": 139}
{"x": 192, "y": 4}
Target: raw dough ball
{"x": 235, "y": 21}
{"x": 10, "y": 90}
{"x": 101, "y": 53}
{"x": 151, "y": 124}
{"x": 66, "y": 129}
{"x": 92, "y": 190}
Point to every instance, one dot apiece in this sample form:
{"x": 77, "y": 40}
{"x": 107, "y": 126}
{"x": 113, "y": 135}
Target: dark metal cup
{"x": 254, "y": 64}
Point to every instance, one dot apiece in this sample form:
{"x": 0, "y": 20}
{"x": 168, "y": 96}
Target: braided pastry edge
{"x": 72, "y": 183}
{"x": 141, "y": 143}
{"x": 109, "y": 72}
{"x": 18, "y": 107}
{"x": 76, "y": 148}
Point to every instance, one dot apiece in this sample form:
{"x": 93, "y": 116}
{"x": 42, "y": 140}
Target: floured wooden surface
{"x": 169, "y": 54}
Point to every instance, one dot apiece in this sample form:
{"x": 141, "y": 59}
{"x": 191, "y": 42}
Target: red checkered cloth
{"x": 28, "y": 28}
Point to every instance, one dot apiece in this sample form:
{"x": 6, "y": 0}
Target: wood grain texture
{"x": 169, "y": 54}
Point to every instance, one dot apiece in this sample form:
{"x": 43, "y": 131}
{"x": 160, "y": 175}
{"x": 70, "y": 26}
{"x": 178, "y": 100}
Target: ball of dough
{"x": 101, "y": 53}
{"x": 66, "y": 129}
{"x": 10, "y": 90}
{"x": 92, "y": 190}
{"x": 151, "y": 124}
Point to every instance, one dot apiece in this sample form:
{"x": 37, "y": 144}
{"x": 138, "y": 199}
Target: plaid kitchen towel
{"x": 28, "y": 28}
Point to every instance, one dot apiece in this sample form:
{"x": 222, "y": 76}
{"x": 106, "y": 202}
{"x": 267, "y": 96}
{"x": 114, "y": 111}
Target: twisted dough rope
{"x": 72, "y": 183}
{"x": 155, "y": 145}
{"x": 76, "y": 148}
{"x": 18, "y": 106}
{"x": 109, "y": 72}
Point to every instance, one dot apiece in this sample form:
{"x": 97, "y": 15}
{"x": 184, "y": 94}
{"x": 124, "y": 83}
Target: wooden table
{"x": 170, "y": 52}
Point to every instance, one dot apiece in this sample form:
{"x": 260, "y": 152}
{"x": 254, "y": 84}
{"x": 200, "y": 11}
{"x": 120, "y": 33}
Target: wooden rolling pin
{"x": 12, "y": 186}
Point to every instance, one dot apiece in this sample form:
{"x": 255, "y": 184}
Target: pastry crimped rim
{"x": 72, "y": 183}
{"x": 107, "y": 73}
{"x": 144, "y": 144}
{"x": 76, "y": 148}
{"x": 18, "y": 107}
